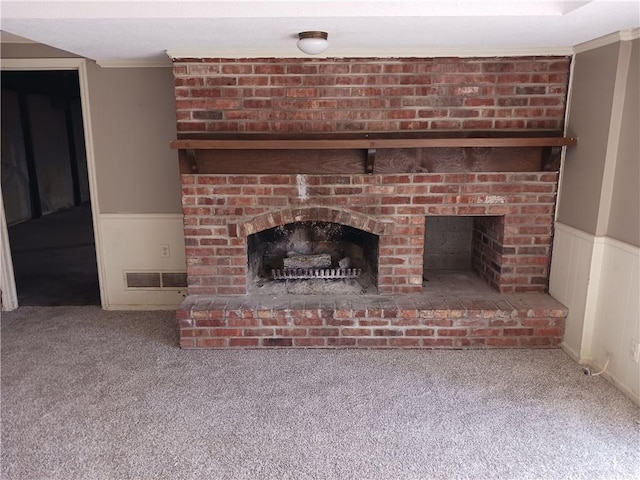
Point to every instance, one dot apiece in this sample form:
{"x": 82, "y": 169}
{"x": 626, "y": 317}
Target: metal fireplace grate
{"x": 311, "y": 273}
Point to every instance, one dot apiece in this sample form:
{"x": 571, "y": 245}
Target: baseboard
{"x": 148, "y": 307}
{"x": 594, "y": 366}
{"x": 575, "y": 356}
{"x": 628, "y": 393}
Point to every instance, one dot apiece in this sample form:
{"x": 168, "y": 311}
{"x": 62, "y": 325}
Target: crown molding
{"x": 628, "y": 35}
{"x": 42, "y": 63}
{"x": 621, "y": 36}
{"x": 421, "y": 53}
{"x": 116, "y": 63}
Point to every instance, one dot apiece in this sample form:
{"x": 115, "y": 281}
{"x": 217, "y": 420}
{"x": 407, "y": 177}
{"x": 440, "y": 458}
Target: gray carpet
{"x": 88, "y": 394}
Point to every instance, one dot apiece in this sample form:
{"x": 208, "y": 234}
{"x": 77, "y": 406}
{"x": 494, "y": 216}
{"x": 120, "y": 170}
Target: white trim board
{"x": 135, "y": 64}
{"x": 141, "y": 216}
{"x": 141, "y": 307}
{"x": 597, "y": 367}
{"x": 377, "y": 53}
{"x": 602, "y": 239}
{"x": 597, "y": 278}
{"x": 42, "y": 63}
{"x": 575, "y": 232}
{"x": 7, "y": 279}
{"x": 622, "y": 36}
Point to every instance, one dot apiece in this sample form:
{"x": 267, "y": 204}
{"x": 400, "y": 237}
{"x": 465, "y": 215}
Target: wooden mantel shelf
{"x": 366, "y": 143}
{"x": 354, "y": 153}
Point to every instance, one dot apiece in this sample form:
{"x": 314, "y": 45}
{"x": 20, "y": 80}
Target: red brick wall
{"x": 350, "y": 95}
{"x": 488, "y": 248}
{"x": 221, "y": 210}
{"x": 514, "y": 210}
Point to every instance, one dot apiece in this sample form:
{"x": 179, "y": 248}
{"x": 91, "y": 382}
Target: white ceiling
{"x": 119, "y": 32}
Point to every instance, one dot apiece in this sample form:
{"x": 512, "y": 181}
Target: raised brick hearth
{"x": 512, "y": 211}
{"x": 471, "y": 318}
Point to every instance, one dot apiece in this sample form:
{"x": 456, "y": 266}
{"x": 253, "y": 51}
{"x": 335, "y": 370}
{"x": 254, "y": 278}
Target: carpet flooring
{"x": 90, "y": 394}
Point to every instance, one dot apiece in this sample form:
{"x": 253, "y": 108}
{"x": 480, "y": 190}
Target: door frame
{"x": 9, "y": 300}
{"x": 7, "y": 281}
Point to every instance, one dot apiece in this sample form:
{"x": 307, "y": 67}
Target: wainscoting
{"x": 569, "y": 281}
{"x": 143, "y": 256}
{"x": 598, "y": 279}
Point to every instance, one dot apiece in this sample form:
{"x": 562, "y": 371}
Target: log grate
{"x": 315, "y": 273}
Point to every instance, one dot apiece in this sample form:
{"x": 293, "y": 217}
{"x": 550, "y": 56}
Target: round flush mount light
{"x": 313, "y": 42}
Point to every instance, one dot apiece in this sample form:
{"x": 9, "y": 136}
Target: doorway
{"x": 45, "y": 189}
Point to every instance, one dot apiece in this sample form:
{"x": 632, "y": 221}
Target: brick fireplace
{"x": 231, "y": 198}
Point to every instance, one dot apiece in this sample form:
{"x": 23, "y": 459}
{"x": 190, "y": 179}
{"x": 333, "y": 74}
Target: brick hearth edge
{"x": 531, "y": 320}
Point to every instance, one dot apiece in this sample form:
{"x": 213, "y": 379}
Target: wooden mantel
{"x": 374, "y": 142}
{"x": 355, "y": 153}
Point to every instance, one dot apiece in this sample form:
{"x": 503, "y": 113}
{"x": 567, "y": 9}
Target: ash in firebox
{"x": 315, "y": 286}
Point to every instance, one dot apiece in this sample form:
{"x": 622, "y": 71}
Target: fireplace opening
{"x": 312, "y": 257}
{"x": 465, "y": 245}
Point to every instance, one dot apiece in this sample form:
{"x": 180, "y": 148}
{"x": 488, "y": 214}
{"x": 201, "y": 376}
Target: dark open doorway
{"x": 45, "y": 189}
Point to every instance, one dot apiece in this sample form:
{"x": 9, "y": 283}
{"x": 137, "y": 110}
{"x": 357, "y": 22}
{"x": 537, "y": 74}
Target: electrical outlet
{"x": 635, "y": 351}
{"x": 165, "y": 251}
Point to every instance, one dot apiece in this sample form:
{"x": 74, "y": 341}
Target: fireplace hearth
{"x": 239, "y": 228}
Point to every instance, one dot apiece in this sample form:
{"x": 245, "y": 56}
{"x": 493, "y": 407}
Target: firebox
{"x": 312, "y": 257}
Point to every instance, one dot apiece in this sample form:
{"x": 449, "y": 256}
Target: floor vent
{"x": 155, "y": 280}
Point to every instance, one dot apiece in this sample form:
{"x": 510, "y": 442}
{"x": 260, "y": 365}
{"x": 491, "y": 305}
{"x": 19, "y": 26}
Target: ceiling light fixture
{"x": 313, "y": 42}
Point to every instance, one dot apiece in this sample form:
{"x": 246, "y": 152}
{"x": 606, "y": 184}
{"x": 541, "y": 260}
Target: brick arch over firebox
{"x": 315, "y": 214}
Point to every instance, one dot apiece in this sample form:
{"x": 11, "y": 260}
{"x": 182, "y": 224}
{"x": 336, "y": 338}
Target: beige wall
{"x": 591, "y": 100}
{"x": 595, "y": 267}
{"x": 624, "y": 220}
{"x": 33, "y": 50}
{"x": 133, "y": 121}
{"x": 136, "y": 194}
